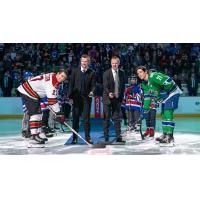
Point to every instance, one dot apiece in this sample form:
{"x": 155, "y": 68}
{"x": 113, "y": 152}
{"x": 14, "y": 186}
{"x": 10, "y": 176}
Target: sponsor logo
{"x": 97, "y": 107}
{"x": 197, "y": 103}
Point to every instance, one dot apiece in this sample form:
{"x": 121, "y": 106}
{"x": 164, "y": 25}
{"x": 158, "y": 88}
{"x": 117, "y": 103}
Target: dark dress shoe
{"x": 120, "y": 140}
{"x": 106, "y": 139}
{"x": 89, "y": 141}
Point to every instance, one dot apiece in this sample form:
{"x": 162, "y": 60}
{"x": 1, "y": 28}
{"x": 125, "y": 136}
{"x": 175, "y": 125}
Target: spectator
{"x": 178, "y": 58}
{"x": 93, "y": 53}
{"x": 192, "y": 84}
{"x": 178, "y": 82}
{"x": 7, "y": 84}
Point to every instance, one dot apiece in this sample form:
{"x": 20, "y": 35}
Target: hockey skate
{"x": 149, "y": 134}
{"x": 168, "y": 141}
{"x": 158, "y": 139}
{"x": 133, "y": 135}
{"x": 137, "y": 129}
{"x": 36, "y": 142}
{"x": 48, "y": 131}
{"x": 146, "y": 134}
{"x": 127, "y": 133}
{"x": 129, "y": 128}
{"x": 43, "y": 136}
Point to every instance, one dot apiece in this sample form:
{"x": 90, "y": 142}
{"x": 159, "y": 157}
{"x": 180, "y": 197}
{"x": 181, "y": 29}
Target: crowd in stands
{"x": 180, "y": 61}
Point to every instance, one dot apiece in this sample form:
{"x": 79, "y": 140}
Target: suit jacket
{"x": 109, "y": 85}
{"x": 75, "y": 83}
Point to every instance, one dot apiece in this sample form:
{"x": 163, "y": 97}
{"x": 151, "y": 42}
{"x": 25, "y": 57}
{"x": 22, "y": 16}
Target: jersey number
{"x": 159, "y": 77}
{"x": 37, "y": 78}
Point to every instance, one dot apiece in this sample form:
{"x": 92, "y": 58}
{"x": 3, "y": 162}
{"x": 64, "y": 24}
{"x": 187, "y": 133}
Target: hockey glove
{"x": 136, "y": 90}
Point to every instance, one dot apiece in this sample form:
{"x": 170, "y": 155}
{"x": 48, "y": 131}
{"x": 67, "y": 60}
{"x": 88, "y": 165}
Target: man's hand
{"x": 91, "y": 94}
{"x": 111, "y": 95}
{"x": 59, "y": 117}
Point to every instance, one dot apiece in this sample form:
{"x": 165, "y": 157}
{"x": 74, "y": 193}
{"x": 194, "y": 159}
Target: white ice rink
{"x": 185, "y": 143}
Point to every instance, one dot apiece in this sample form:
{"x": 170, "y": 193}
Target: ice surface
{"x": 185, "y": 143}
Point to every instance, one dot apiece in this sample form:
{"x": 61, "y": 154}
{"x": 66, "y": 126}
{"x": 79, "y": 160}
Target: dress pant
{"x": 112, "y": 110}
{"x": 82, "y": 106}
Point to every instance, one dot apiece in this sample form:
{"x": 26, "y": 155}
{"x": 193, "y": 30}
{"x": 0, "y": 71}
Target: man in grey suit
{"x": 113, "y": 93}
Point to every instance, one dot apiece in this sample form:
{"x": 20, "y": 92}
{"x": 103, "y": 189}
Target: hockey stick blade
{"x": 96, "y": 146}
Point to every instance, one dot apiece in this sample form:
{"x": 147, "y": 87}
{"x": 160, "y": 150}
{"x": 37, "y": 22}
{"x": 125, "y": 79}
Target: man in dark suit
{"x": 192, "y": 84}
{"x": 113, "y": 93}
{"x": 7, "y": 84}
{"x": 81, "y": 89}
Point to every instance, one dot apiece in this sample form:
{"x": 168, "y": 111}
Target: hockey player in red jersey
{"x": 32, "y": 91}
{"x": 133, "y": 105}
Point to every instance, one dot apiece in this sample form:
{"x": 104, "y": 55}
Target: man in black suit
{"x": 113, "y": 93}
{"x": 7, "y": 84}
{"x": 81, "y": 89}
{"x": 192, "y": 84}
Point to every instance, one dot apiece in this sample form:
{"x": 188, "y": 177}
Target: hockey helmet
{"x": 133, "y": 78}
{"x": 27, "y": 75}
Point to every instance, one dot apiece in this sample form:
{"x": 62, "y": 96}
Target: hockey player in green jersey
{"x": 159, "y": 82}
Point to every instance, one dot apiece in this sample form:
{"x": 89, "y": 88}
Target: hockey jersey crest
{"x": 133, "y": 98}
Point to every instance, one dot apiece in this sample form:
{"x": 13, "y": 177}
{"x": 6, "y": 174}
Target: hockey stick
{"x": 89, "y": 145}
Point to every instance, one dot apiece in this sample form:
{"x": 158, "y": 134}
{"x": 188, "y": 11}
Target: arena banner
{"x": 97, "y": 107}
{"x": 12, "y": 106}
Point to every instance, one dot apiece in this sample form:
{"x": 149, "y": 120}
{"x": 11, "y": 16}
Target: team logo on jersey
{"x": 159, "y": 77}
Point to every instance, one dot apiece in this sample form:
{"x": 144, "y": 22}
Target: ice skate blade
{"x": 32, "y": 144}
{"x": 148, "y": 138}
{"x": 35, "y": 146}
{"x": 167, "y": 145}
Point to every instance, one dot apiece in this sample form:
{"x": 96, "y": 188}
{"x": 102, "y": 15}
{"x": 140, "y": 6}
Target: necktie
{"x": 83, "y": 82}
{"x": 193, "y": 83}
{"x": 116, "y": 84}
{"x": 5, "y": 81}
